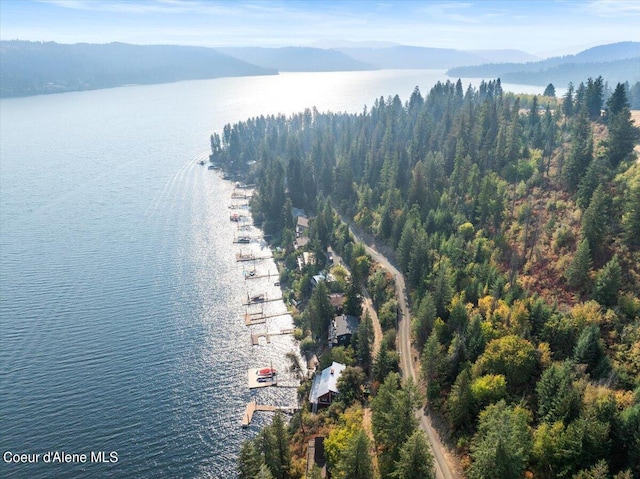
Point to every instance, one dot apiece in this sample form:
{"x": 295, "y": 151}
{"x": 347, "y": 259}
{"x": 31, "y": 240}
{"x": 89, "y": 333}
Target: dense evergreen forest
{"x": 516, "y": 223}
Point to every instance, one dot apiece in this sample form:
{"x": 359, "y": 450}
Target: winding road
{"x": 442, "y": 466}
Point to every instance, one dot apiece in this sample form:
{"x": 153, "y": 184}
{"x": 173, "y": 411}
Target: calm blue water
{"x": 120, "y": 298}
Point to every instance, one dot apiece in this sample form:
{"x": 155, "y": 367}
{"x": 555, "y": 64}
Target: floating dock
{"x": 252, "y": 377}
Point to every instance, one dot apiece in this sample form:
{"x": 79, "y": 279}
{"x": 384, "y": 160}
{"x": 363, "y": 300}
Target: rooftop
{"x": 343, "y": 325}
{"x": 326, "y": 381}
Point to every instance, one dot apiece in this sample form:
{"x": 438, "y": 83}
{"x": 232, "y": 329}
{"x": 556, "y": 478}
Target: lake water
{"x": 120, "y": 297}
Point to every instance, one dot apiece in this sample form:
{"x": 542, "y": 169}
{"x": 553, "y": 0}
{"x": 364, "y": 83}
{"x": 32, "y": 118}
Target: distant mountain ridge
{"x": 32, "y": 68}
{"x": 617, "y": 62}
{"x": 413, "y": 57}
{"x": 298, "y": 59}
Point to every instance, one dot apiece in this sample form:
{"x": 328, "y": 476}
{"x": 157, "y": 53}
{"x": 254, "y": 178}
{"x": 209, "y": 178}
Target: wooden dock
{"x": 236, "y": 195}
{"x": 255, "y": 337}
{"x": 252, "y": 378}
{"x": 258, "y": 276}
{"x": 252, "y": 407}
{"x": 249, "y": 302}
{"x": 250, "y": 257}
{"x": 251, "y": 319}
{"x": 243, "y": 240}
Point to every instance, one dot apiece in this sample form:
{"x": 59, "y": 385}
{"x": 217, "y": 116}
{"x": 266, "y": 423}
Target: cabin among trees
{"x": 342, "y": 328}
{"x": 325, "y": 386}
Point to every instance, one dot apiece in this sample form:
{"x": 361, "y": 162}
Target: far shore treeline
{"x": 515, "y": 220}
{"x": 34, "y": 68}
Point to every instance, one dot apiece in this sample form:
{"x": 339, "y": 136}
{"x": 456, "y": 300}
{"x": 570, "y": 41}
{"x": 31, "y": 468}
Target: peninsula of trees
{"x": 516, "y": 223}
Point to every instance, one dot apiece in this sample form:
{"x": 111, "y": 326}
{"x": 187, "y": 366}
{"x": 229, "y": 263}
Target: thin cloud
{"x": 170, "y": 7}
{"x": 614, "y": 8}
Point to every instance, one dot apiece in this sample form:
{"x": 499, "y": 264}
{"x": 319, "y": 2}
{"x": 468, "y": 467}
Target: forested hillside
{"x": 33, "y": 68}
{"x": 294, "y": 59}
{"x": 516, "y": 222}
{"x": 618, "y": 62}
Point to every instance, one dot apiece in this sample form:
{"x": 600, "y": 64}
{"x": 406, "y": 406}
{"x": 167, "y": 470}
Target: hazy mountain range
{"x": 618, "y": 62}
{"x": 29, "y": 68}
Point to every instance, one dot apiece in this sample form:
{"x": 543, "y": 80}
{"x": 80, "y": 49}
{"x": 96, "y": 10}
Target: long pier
{"x": 253, "y": 406}
{"x": 251, "y": 302}
{"x": 255, "y": 337}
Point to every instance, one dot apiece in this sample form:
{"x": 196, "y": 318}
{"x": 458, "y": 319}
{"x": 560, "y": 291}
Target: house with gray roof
{"x": 341, "y": 329}
{"x": 325, "y": 386}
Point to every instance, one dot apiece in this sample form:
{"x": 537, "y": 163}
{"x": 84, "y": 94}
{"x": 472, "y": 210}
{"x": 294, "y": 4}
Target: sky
{"x": 540, "y": 27}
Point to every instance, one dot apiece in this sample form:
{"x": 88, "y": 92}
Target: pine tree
{"x": 249, "y": 460}
{"x": 384, "y": 363}
{"x": 594, "y": 97}
{"x": 622, "y": 133}
{"x": 424, "y": 317}
{"x": 393, "y": 419}
{"x": 581, "y": 152}
{"x": 577, "y": 274}
{"x": 264, "y": 473}
{"x": 594, "y": 221}
{"x": 282, "y": 454}
{"x": 353, "y": 301}
{"x": 501, "y": 447}
{"x": 550, "y": 90}
{"x": 364, "y": 342}
{"x": 416, "y": 461}
{"x": 589, "y": 182}
{"x": 460, "y": 401}
{"x": 567, "y": 102}
{"x": 608, "y": 282}
{"x": 319, "y": 311}
{"x": 631, "y": 218}
{"x": 589, "y": 351}
{"x": 558, "y": 399}
{"x": 355, "y": 462}
{"x": 617, "y": 102}
{"x": 443, "y": 286}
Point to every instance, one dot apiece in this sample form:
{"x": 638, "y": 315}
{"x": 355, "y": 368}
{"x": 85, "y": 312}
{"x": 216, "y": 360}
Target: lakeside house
{"x": 325, "y": 386}
{"x": 322, "y": 277}
{"x": 302, "y": 226}
{"x": 306, "y": 259}
{"x": 341, "y": 329}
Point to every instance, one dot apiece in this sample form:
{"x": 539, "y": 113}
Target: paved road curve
{"x": 442, "y": 467}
